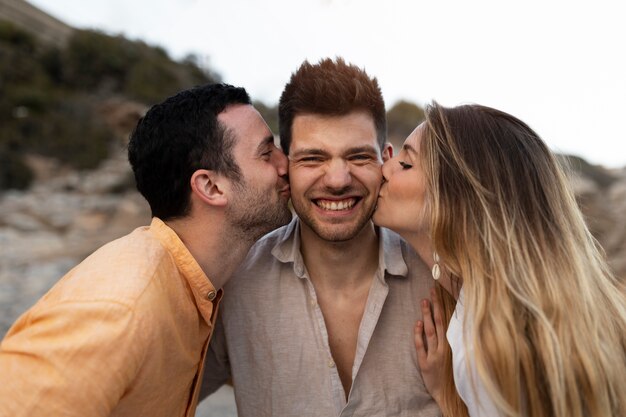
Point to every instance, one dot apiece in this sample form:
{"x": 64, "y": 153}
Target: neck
{"x": 217, "y": 248}
{"x": 422, "y": 245}
{"x": 340, "y": 265}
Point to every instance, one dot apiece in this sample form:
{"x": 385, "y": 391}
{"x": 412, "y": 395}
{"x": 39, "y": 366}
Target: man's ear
{"x": 209, "y": 187}
{"x": 387, "y": 152}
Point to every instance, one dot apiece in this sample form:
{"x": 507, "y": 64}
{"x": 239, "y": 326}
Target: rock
{"x": 22, "y": 222}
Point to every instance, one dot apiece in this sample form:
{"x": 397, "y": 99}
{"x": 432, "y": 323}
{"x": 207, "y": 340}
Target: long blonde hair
{"x": 545, "y": 316}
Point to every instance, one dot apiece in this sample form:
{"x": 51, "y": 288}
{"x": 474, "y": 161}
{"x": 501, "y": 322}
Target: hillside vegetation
{"x": 50, "y": 98}
{"x": 49, "y": 95}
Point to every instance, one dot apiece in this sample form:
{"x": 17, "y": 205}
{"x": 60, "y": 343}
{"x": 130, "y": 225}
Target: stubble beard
{"x": 255, "y": 213}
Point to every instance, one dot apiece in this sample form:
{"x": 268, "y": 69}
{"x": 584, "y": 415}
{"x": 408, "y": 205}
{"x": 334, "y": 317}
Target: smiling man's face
{"x": 334, "y": 172}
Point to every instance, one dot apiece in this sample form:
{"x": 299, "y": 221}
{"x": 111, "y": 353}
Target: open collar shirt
{"x": 122, "y": 334}
{"x": 271, "y": 337}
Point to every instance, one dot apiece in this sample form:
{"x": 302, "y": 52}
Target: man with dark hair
{"x": 125, "y": 332}
{"x": 327, "y": 329}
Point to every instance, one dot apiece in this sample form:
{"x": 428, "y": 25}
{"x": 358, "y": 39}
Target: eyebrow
{"x": 361, "y": 149}
{"x": 408, "y": 148}
{"x": 264, "y": 143}
{"x": 350, "y": 151}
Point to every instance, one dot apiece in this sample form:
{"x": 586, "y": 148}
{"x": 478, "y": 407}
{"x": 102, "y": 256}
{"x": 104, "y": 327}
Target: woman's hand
{"x": 430, "y": 341}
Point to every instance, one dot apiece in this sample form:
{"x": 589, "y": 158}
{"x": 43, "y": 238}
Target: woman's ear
{"x": 209, "y": 186}
{"x": 387, "y": 152}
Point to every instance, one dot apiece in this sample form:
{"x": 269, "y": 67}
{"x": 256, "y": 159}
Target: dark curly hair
{"x": 177, "y": 137}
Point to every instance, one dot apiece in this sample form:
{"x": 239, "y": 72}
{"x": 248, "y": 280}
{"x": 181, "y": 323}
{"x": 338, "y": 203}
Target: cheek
{"x": 266, "y": 175}
{"x": 300, "y": 180}
{"x": 371, "y": 174}
{"x": 408, "y": 191}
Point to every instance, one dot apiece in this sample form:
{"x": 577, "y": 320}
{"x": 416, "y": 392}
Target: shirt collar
{"x": 390, "y": 255}
{"x": 390, "y": 248}
{"x": 203, "y": 290}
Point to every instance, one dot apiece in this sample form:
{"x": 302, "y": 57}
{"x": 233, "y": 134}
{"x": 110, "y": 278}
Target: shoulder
{"x": 118, "y": 272}
{"x": 81, "y": 339}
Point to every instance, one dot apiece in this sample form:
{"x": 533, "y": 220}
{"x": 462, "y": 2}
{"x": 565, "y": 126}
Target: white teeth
{"x": 336, "y": 205}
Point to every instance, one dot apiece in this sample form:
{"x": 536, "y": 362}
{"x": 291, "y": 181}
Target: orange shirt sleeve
{"x": 74, "y": 358}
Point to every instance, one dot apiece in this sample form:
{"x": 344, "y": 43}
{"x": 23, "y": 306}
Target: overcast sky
{"x": 558, "y": 65}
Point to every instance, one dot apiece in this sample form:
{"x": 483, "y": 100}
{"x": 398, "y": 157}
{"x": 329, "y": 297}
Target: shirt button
{"x": 211, "y": 295}
{"x": 331, "y": 363}
{"x": 313, "y": 302}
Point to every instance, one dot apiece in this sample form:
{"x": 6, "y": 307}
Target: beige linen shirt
{"x": 122, "y": 334}
{"x": 272, "y": 339}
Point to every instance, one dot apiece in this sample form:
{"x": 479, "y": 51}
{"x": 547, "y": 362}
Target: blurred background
{"x": 75, "y": 77}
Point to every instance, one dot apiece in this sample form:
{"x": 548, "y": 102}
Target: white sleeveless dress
{"x": 478, "y": 402}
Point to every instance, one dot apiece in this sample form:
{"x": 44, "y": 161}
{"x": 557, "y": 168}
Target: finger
{"x": 438, "y": 314}
{"x": 422, "y": 355}
{"x": 429, "y": 326}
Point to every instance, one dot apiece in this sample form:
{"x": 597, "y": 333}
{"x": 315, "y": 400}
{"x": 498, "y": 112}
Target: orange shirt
{"x": 124, "y": 333}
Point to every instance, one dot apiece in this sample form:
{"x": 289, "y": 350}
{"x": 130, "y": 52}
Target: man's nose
{"x": 282, "y": 163}
{"x": 337, "y": 174}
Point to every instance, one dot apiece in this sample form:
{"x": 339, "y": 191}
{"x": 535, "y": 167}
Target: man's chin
{"x": 337, "y": 232}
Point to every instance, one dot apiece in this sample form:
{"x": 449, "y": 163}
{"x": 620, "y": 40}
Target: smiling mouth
{"x": 336, "y": 205}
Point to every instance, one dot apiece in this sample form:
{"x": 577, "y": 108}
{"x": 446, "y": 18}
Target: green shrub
{"x": 402, "y": 119}
{"x": 16, "y": 37}
{"x": 72, "y": 133}
{"x": 94, "y": 60}
{"x": 114, "y": 64}
{"x": 48, "y": 96}
{"x": 14, "y": 173}
{"x": 151, "y": 81}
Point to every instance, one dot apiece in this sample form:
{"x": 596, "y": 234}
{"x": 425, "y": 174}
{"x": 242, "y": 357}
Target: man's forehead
{"x": 243, "y": 119}
{"x": 237, "y": 114}
{"x": 355, "y": 129}
{"x": 355, "y": 116}
{"x": 246, "y": 126}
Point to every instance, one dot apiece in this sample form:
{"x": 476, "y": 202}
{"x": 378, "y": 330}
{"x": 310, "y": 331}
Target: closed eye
{"x": 404, "y": 165}
{"x": 362, "y": 157}
{"x": 310, "y": 159}
{"x": 266, "y": 147}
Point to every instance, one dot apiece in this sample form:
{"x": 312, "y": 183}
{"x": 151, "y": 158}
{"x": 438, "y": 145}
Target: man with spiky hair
{"x": 125, "y": 332}
{"x": 318, "y": 320}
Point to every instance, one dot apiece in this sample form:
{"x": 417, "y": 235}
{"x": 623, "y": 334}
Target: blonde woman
{"x": 535, "y": 322}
